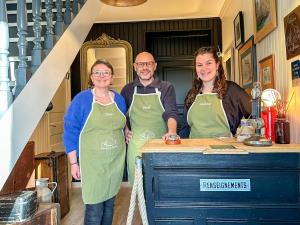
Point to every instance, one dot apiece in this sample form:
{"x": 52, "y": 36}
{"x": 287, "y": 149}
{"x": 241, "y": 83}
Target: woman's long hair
{"x": 99, "y": 62}
{"x": 220, "y": 84}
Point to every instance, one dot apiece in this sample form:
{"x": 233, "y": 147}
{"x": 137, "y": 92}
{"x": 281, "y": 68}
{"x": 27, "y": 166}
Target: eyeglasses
{"x": 99, "y": 73}
{"x": 142, "y": 64}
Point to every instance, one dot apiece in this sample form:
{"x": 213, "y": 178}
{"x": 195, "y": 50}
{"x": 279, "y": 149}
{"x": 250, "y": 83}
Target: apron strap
{"x": 111, "y": 96}
{"x": 94, "y": 95}
{"x": 135, "y": 89}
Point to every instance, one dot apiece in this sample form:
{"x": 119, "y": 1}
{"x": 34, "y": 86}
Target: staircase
{"x": 19, "y": 120}
{"x": 40, "y": 26}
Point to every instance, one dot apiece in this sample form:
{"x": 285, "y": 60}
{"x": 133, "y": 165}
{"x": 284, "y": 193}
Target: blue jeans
{"x": 100, "y": 213}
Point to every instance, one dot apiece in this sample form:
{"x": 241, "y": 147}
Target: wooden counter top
{"x": 215, "y": 146}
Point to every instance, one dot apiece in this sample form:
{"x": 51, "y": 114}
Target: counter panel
{"x": 264, "y": 188}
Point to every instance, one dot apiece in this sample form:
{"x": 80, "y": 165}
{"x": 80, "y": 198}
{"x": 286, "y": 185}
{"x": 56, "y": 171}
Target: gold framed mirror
{"x": 117, "y": 52}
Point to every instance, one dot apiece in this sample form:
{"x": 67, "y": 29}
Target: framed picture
{"x": 264, "y": 15}
{"x": 266, "y": 72}
{"x": 291, "y": 31}
{"x": 238, "y": 24}
{"x": 247, "y": 64}
{"x": 228, "y": 62}
{"x": 228, "y": 69}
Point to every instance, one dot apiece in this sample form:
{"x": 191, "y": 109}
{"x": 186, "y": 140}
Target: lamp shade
{"x": 123, "y": 3}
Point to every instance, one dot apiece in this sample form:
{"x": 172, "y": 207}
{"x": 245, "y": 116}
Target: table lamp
{"x": 269, "y": 97}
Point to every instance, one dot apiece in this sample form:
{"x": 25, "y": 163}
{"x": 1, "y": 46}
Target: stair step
{"x": 29, "y": 11}
{"x": 27, "y": 1}
{"x": 14, "y": 50}
{"x": 13, "y": 31}
{"x": 29, "y": 24}
{"x": 28, "y": 39}
{"x": 12, "y": 5}
{"x": 16, "y": 58}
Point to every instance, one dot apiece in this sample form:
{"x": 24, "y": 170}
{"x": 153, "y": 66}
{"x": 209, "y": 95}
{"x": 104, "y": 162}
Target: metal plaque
{"x": 225, "y": 185}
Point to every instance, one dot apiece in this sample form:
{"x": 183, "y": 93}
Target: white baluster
{"x": 6, "y": 96}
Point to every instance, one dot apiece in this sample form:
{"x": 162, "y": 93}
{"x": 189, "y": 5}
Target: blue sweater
{"x": 77, "y": 114}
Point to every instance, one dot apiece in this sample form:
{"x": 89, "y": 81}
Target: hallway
{"x": 75, "y": 216}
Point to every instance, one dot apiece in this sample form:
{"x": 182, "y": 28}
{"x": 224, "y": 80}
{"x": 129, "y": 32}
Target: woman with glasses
{"x": 214, "y": 106}
{"x": 93, "y": 131}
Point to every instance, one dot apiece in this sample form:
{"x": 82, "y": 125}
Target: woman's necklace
{"x": 103, "y": 98}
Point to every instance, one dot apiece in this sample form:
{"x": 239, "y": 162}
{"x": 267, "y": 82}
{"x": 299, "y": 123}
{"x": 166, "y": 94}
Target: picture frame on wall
{"x": 228, "y": 69}
{"x": 238, "y": 24}
{"x": 228, "y": 62}
{"x": 264, "y": 16}
{"x": 291, "y": 31}
{"x": 267, "y": 72}
{"x": 247, "y": 64}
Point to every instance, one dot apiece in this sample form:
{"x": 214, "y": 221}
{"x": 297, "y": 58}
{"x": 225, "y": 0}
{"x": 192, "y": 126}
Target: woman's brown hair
{"x": 220, "y": 84}
{"x": 99, "y": 62}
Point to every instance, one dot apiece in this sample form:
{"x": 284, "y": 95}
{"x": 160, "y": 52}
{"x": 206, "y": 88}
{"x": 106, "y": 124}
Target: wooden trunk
{"x": 54, "y": 165}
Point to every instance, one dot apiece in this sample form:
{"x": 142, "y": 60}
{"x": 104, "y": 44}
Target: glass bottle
{"x": 269, "y": 117}
{"x": 282, "y": 131}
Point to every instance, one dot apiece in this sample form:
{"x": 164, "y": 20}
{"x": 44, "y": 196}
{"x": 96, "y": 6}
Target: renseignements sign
{"x": 225, "y": 185}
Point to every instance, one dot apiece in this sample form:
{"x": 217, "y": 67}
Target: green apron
{"x": 207, "y": 117}
{"x": 102, "y": 153}
{"x": 145, "y": 115}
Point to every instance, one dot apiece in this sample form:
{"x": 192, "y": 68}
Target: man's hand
{"x": 172, "y": 126}
{"x": 128, "y": 135}
{"x": 167, "y": 135}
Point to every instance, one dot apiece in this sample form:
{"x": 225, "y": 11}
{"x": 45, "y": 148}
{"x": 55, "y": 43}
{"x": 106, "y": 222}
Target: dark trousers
{"x": 100, "y": 213}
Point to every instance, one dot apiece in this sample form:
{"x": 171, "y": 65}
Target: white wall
{"x": 274, "y": 43}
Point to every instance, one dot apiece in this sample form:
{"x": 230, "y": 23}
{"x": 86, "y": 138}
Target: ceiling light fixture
{"x": 123, "y": 3}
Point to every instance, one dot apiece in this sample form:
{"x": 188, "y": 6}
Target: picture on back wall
{"x": 247, "y": 64}
{"x": 292, "y": 33}
{"x": 238, "y": 24}
{"x": 264, "y": 15}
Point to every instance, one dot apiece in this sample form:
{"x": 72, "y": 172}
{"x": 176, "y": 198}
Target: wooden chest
{"x": 54, "y": 165}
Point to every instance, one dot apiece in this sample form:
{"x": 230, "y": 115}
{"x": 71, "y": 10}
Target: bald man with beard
{"x": 152, "y": 108}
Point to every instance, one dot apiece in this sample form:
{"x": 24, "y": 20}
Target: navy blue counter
{"x": 193, "y": 184}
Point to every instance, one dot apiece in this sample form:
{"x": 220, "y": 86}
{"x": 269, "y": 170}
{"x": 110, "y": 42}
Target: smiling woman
{"x": 93, "y": 133}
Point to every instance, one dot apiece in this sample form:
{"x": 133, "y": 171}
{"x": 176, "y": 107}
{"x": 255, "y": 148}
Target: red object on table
{"x": 269, "y": 116}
